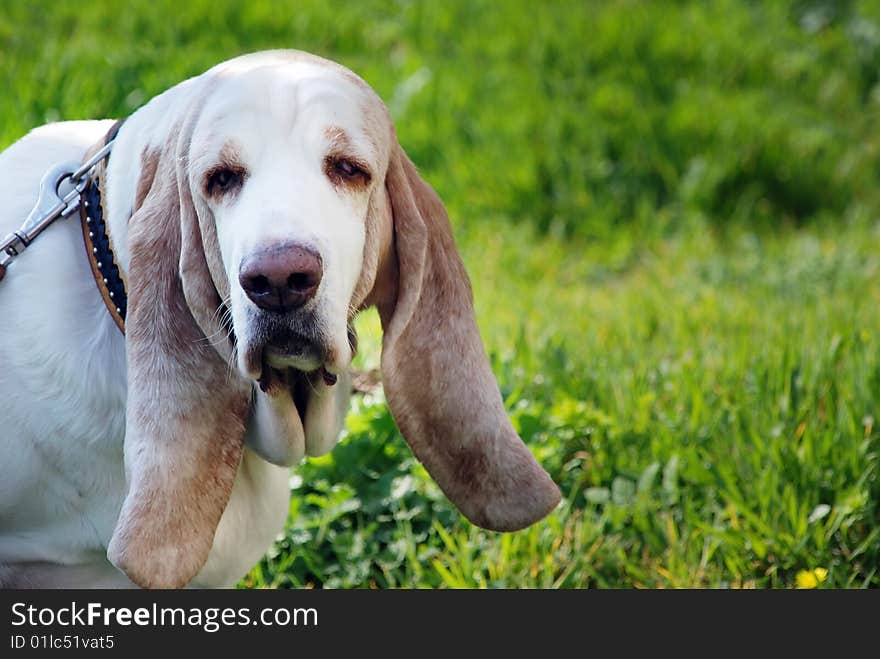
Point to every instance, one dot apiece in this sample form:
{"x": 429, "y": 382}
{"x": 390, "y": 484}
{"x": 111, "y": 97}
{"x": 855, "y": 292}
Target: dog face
{"x": 285, "y": 161}
{"x": 275, "y": 206}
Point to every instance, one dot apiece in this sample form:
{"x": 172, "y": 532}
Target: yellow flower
{"x": 811, "y": 578}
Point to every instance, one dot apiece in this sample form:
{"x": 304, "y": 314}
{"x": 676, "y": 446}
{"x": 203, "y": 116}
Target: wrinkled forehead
{"x": 292, "y": 99}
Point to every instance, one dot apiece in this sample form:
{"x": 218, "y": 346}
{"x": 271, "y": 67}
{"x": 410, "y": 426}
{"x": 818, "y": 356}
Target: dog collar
{"x": 99, "y": 246}
{"x": 83, "y": 193}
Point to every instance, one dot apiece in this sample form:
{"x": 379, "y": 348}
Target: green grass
{"x": 671, "y": 216}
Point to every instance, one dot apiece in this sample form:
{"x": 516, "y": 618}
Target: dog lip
{"x": 307, "y": 360}
{"x": 292, "y": 343}
{"x": 287, "y": 351}
{"x": 297, "y": 344}
{"x": 260, "y": 358}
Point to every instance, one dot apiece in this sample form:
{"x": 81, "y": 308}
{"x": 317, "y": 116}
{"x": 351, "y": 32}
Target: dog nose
{"x": 281, "y": 278}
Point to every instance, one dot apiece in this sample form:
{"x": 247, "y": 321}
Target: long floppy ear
{"x": 436, "y": 375}
{"x": 186, "y": 408}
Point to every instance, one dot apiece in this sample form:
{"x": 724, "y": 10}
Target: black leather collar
{"x": 99, "y": 246}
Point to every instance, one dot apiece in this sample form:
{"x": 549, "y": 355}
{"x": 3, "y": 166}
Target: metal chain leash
{"x": 52, "y": 204}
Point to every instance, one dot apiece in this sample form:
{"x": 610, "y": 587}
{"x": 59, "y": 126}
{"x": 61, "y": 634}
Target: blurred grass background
{"x": 670, "y": 212}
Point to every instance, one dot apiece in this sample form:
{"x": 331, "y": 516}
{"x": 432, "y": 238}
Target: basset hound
{"x": 251, "y": 212}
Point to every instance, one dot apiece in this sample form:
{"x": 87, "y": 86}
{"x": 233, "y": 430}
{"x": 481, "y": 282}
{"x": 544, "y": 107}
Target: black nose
{"x": 282, "y": 277}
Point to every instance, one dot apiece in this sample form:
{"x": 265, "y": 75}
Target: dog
{"x": 251, "y": 212}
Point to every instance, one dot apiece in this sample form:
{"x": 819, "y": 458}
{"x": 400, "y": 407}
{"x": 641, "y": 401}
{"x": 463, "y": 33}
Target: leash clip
{"x": 60, "y": 190}
{"x": 59, "y": 197}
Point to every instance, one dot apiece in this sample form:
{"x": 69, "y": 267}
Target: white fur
{"x": 62, "y": 359}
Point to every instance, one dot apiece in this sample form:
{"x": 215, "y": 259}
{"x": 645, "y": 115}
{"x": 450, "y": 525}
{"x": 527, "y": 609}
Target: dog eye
{"x": 343, "y": 169}
{"x": 223, "y": 180}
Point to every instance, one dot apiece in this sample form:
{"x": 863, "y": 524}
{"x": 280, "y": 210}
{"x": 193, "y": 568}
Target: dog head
{"x": 277, "y": 206}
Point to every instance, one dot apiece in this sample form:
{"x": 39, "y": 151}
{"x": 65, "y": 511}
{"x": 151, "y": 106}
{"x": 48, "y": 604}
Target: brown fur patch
{"x": 185, "y": 412}
{"x": 230, "y": 154}
{"x": 437, "y": 378}
{"x": 149, "y": 165}
{"x": 337, "y": 137}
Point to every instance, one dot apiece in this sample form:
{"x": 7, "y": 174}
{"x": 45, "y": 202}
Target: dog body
{"x": 61, "y": 478}
{"x": 253, "y": 211}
